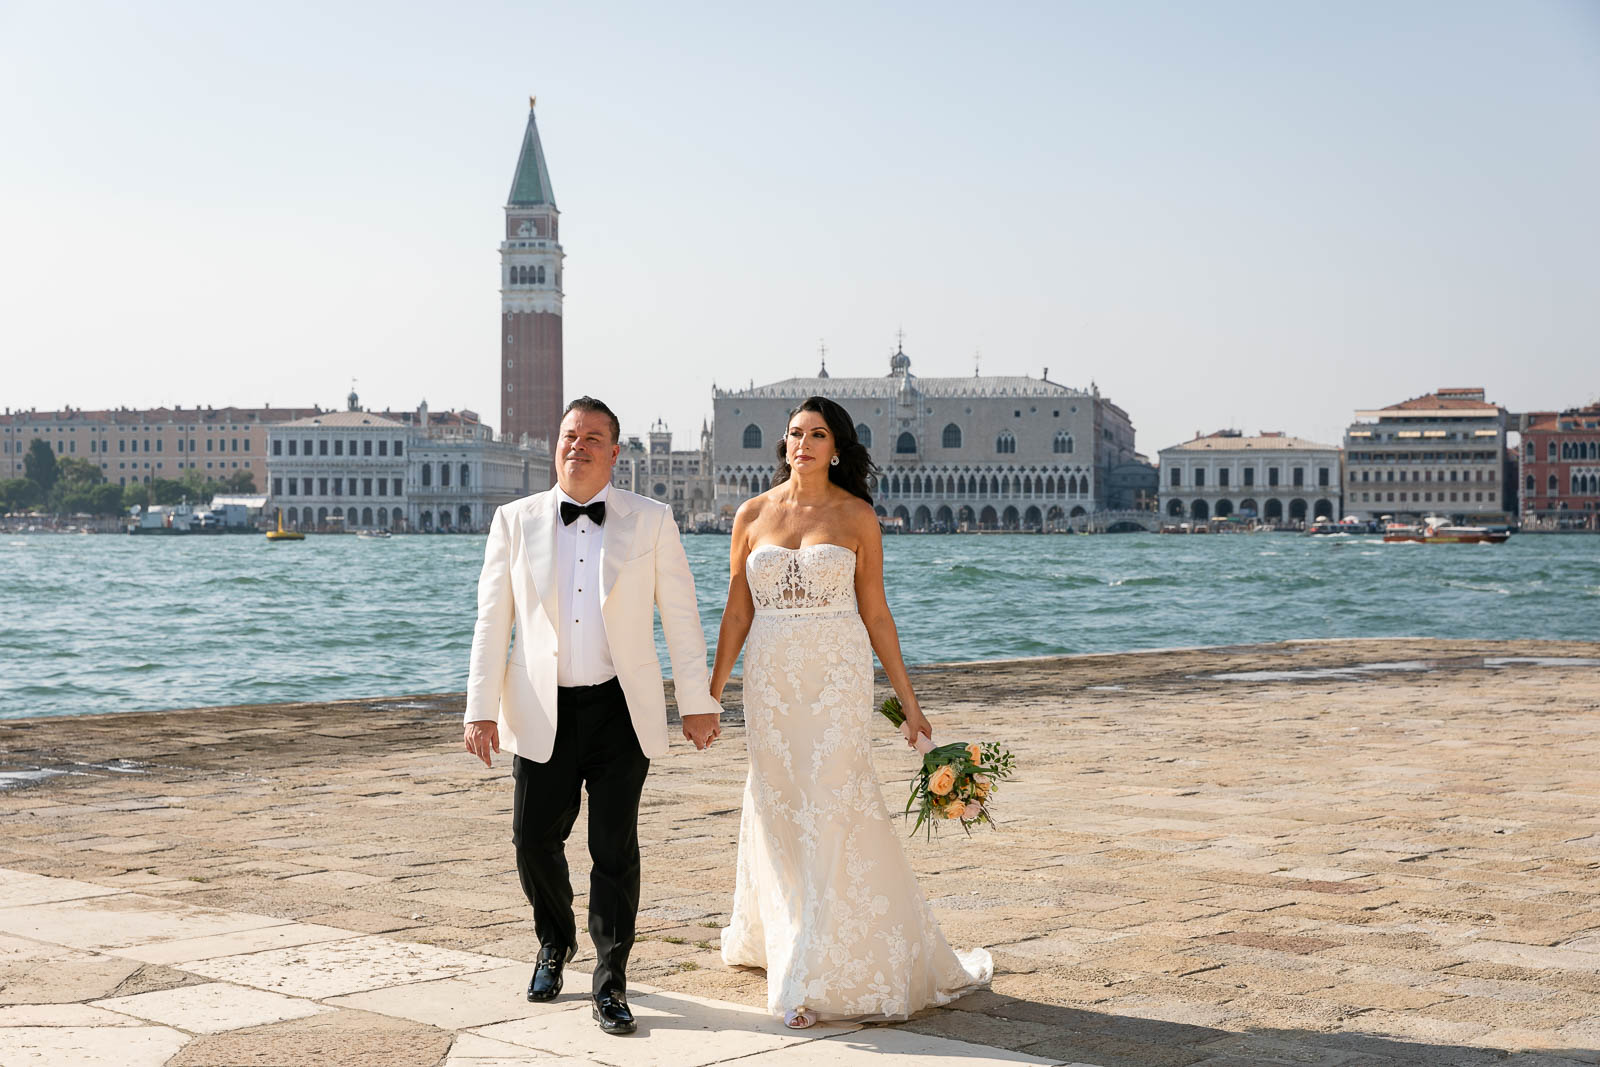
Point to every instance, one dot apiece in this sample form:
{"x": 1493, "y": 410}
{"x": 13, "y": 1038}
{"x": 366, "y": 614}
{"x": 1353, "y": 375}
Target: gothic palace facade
{"x": 985, "y": 452}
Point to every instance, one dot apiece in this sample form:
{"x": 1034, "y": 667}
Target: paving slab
{"x": 675, "y": 1030}
{"x": 19, "y": 888}
{"x": 878, "y": 1046}
{"x": 334, "y": 968}
{"x": 193, "y": 949}
{"x": 471, "y": 1000}
{"x": 122, "y": 920}
{"x": 89, "y": 1046}
{"x": 211, "y": 1008}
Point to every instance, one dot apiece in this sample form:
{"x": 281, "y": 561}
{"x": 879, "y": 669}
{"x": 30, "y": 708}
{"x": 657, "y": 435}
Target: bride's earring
{"x": 834, "y": 462}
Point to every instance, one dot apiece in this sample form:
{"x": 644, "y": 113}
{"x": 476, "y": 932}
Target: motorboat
{"x": 1437, "y": 530}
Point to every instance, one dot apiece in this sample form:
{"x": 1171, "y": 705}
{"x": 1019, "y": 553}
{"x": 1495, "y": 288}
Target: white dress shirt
{"x": 583, "y": 656}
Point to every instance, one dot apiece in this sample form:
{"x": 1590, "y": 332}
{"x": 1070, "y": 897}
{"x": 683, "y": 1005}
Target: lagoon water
{"x": 108, "y": 623}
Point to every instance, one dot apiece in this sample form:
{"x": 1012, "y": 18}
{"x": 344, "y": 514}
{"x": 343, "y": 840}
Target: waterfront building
{"x": 530, "y": 299}
{"x": 135, "y": 446}
{"x": 680, "y": 479}
{"x": 1560, "y": 469}
{"x": 1438, "y": 454}
{"x": 358, "y": 469}
{"x": 1270, "y": 476}
{"x": 985, "y": 452}
{"x": 1134, "y": 485}
{"x": 460, "y": 472}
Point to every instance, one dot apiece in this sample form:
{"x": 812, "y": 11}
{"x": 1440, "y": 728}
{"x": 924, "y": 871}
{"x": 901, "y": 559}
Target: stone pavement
{"x": 203, "y": 986}
{"x": 1356, "y": 853}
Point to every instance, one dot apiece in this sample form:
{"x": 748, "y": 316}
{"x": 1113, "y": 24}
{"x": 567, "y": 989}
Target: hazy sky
{"x": 1264, "y": 215}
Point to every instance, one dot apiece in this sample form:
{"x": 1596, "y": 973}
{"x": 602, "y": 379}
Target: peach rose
{"x": 943, "y": 780}
{"x": 974, "y": 753}
{"x": 956, "y": 810}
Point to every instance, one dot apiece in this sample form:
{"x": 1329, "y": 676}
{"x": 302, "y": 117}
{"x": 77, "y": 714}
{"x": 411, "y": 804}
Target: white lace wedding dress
{"x": 825, "y": 899}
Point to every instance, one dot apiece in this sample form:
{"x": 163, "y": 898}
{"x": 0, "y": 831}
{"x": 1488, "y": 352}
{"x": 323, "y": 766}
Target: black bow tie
{"x": 596, "y": 512}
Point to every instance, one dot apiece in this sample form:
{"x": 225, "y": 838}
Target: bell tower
{"x": 530, "y": 299}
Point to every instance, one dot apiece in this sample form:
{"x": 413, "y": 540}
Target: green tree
{"x": 136, "y": 494}
{"x": 79, "y": 472}
{"x": 199, "y": 487}
{"x": 40, "y": 463}
{"x": 19, "y": 494}
{"x": 166, "y": 491}
{"x": 106, "y": 500}
{"x": 239, "y": 482}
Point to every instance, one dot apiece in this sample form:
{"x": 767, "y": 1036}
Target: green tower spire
{"x": 531, "y": 184}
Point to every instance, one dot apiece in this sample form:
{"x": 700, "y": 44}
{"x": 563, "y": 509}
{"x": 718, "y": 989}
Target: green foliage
{"x": 40, "y": 463}
{"x": 79, "y": 472}
{"x": 167, "y": 491}
{"x": 136, "y": 493}
{"x": 238, "y": 482}
{"x": 20, "y": 494}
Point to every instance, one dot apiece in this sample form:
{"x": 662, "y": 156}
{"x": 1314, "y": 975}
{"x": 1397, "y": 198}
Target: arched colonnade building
{"x": 985, "y": 452}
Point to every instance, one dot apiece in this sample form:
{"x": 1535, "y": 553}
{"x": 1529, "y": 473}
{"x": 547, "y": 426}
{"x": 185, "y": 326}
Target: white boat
{"x": 373, "y": 535}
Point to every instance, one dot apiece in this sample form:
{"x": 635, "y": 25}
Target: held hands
{"x": 701, "y": 729}
{"x": 482, "y": 737}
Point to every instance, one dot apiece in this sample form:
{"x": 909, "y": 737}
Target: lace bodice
{"x": 815, "y": 578}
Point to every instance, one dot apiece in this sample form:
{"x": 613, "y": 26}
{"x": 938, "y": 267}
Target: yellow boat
{"x": 280, "y": 534}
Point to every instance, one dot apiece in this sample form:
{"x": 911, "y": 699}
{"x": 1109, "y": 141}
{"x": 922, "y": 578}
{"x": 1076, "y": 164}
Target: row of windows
{"x": 1582, "y": 484}
{"x": 527, "y": 275}
{"x": 358, "y": 486}
{"x": 896, "y": 484}
{"x": 1225, "y": 475}
{"x": 1222, "y": 509}
{"x": 102, "y": 447}
{"x": 444, "y": 475}
{"x": 1420, "y": 457}
{"x": 305, "y": 448}
{"x": 1424, "y": 498}
{"x": 906, "y": 443}
{"x": 1424, "y": 476}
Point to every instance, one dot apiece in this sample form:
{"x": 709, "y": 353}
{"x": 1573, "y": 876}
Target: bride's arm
{"x": 874, "y": 608}
{"x": 740, "y": 608}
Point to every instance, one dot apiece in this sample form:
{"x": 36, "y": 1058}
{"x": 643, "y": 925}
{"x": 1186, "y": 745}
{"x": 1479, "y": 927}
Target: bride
{"x": 825, "y": 900}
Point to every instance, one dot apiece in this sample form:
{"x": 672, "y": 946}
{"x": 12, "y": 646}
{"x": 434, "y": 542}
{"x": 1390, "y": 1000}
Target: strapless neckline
{"x": 802, "y": 548}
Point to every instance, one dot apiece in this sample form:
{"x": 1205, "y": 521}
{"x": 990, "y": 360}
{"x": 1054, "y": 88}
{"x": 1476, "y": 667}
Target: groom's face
{"x": 585, "y": 454}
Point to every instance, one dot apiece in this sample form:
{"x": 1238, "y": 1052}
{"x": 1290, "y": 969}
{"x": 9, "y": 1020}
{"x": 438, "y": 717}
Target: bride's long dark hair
{"x": 855, "y": 472}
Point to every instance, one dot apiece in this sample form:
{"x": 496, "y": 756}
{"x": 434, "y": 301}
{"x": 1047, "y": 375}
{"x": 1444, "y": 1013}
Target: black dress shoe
{"x": 546, "y": 981}
{"x": 611, "y": 1012}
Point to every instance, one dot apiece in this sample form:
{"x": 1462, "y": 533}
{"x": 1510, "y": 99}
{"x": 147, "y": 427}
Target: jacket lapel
{"x": 615, "y": 544}
{"x": 541, "y": 553}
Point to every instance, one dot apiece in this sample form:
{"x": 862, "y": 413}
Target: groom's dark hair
{"x": 595, "y": 407}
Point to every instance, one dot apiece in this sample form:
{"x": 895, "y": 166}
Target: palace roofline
{"x": 1262, "y": 443}
{"x": 888, "y": 386}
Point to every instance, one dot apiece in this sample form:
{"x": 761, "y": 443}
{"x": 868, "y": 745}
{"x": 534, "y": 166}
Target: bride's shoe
{"x": 799, "y": 1018}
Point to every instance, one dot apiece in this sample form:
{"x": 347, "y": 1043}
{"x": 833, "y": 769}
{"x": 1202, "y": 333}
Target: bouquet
{"x": 956, "y": 780}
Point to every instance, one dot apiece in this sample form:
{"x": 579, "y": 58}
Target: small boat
{"x": 280, "y": 534}
{"x": 373, "y": 535}
{"x": 1437, "y": 530}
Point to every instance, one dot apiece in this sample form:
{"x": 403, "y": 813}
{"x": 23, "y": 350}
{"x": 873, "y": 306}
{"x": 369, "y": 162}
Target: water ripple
{"x": 121, "y": 623}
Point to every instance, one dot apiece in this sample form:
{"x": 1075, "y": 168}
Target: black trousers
{"x": 595, "y": 748}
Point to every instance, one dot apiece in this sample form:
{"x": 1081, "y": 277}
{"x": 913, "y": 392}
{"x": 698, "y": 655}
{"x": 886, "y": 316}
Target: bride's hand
{"x": 917, "y": 723}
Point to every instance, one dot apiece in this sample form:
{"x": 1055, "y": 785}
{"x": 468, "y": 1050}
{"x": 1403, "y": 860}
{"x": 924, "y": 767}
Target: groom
{"x": 580, "y": 570}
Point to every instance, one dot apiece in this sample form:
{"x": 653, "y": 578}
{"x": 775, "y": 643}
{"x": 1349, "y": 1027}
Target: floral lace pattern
{"x": 825, "y": 899}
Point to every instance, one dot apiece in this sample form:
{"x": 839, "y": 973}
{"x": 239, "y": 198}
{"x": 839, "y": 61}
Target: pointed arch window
{"x": 1062, "y": 445}
{"x": 864, "y": 434}
{"x": 752, "y": 436}
{"x": 952, "y": 436}
{"x": 1006, "y": 443}
{"x": 905, "y": 444}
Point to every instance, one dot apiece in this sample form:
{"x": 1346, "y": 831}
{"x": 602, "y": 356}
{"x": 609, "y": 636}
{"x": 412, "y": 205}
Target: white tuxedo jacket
{"x": 642, "y": 567}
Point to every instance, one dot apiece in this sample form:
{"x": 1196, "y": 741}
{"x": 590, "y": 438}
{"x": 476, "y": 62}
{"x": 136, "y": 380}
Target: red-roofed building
{"x": 1438, "y": 454}
{"x": 1560, "y": 462}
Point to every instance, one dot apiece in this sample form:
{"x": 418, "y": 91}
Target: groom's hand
{"x": 701, "y": 729}
{"x": 482, "y": 737}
